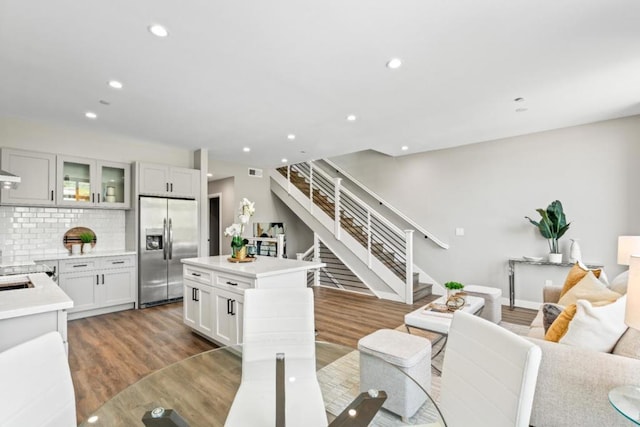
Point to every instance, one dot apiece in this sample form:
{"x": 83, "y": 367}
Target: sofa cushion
{"x": 550, "y": 313}
{"x": 536, "y": 329}
{"x": 559, "y": 327}
{"x": 619, "y": 283}
{"x": 588, "y": 288}
{"x": 596, "y": 327}
{"x": 629, "y": 344}
{"x": 576, "y": 274}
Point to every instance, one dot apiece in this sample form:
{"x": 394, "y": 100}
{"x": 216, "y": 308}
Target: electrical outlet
{"x": 459, "y": 231}
{"x": 548, "y": 282}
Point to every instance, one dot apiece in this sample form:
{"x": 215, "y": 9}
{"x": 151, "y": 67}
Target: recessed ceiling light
{"x": 246, "y": 149}
{"x": 90, "y": 115}
{"x": 115, "y": 84}
{"x": 519, "y": 99}
{"x": 521, "y": 110}
{"x": 158, "y": 30}
{"x": 284, "y": 160}
{"x": 209, "y": 175}
{"x": 404, "y": 148}
{"x": 351, "y": 118}
{"x": 291, "y": 137}
{"x": 394, "y": 63}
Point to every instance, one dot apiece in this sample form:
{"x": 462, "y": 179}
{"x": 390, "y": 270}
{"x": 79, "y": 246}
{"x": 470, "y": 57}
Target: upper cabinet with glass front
{"x": 92, "y": 183}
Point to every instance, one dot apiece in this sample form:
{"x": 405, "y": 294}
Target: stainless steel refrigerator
{"x": 168, "y": 233}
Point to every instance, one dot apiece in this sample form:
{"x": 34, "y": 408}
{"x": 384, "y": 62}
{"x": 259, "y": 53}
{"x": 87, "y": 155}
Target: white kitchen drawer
{"x": 198, "y": 275}
{"x": 73, "y": 266}
{"x": 233, "y": 282}
{"x": 118, "y": 262}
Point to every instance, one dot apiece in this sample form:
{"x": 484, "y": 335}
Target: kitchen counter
{"x": 262, "y": 267}
{"x": 43, "y": 297}
{"x": 64, "y": 255}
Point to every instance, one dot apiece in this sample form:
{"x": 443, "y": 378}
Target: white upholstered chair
{"x": 278, "y": 321}
{"x": 35, "y": 384}
{"x": 488, "y": 376}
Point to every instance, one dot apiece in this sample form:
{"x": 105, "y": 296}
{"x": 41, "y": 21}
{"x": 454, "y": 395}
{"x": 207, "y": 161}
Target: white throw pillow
{"x": 619, "y": 283}
{"x": 603, "y": 276}
{"x": 589, "y": 288}
{"x": 596, "y": 328}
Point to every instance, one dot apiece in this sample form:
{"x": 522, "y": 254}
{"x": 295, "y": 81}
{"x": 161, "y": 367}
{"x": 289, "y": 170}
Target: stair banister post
{"x": 408, "y": 298}
{"x": 316, "y": 258}
{"x": 280, "y": 247}
{"x": 369, "y": 255}
{"x": 337, "y": 184}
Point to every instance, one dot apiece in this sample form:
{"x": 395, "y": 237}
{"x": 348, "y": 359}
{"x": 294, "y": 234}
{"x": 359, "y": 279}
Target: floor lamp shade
{"x": 632, "y": 312}
{"x": 627, "y": 246}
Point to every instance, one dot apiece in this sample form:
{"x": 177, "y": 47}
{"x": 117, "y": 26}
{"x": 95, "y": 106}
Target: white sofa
{"x": 573, "y": 383}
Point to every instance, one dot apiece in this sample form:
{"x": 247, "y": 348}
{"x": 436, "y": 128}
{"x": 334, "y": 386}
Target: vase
{"x": 575, "y": 254}
{"x": 451, "y": 292}
{"x": 86, "y": 248}
{"x": 240, "y": 253}
{"x": 555, "y": 258}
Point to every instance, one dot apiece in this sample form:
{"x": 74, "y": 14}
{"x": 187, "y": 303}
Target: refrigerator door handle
{"x": 164, "y": 237}
{"x": 170, "y": 239}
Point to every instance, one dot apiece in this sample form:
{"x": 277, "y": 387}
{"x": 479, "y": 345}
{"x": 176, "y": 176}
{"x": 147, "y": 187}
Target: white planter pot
{"x": 555, "y": 258}
{"x": 86, "y": 248}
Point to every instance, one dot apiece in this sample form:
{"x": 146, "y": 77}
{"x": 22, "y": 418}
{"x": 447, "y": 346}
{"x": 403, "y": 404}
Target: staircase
{"x": 386, "y": 246}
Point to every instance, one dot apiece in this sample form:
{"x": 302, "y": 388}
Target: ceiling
{"x": 246, "y": 73}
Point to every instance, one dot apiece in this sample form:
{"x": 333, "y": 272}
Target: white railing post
{"x": 280, "y": 247}
{"x": 369, "y": 255}
{"x": 337, "y": 183}
{"x": 299, "y": 256}
{"x": 310, "y": 187}
{"x": 408, "y": 298}
{"x": 288, "y": 179}
{"x": 316, "y": 258}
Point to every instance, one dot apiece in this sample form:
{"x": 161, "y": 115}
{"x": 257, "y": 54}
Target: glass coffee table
{"x": 626, "y": 400}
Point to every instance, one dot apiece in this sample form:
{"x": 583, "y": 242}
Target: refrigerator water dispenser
{"x": 154, "y": 240}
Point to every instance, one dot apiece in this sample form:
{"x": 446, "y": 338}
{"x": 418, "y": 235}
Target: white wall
{"x": 58, "y": 139}
{"x": 268, "y": 207}
{"x": 488, "y": 188}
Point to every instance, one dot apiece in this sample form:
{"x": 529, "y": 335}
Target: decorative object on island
{"x": 235, "y": 230}
{"x": 86, "y": 238}
{"x": 575, "y": 254}
{"x": 552, "y": 226}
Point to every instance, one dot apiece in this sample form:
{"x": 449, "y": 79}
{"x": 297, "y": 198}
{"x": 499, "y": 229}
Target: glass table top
{"x": 201, "y": 389}
{"x": 626, "y": 400}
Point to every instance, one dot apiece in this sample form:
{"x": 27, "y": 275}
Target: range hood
{"x": 9, "y": 180}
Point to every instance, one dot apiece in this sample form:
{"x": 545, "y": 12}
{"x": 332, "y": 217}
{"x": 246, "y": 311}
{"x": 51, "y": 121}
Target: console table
{"x": 512, "y": 272}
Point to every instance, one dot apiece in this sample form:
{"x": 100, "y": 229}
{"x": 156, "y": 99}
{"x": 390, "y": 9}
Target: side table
{"x": 626, "y": 400}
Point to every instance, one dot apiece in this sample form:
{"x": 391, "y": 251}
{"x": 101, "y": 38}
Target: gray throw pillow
{"x": 549, "y": 314}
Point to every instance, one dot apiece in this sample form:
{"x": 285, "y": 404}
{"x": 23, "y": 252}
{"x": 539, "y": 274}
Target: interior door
{"x": 152, "y": 263}
{"x": 183, "y": 240}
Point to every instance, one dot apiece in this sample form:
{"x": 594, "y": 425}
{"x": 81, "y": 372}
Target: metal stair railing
{"x": 383, "y": 240}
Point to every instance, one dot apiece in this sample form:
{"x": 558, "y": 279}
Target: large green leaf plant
{"x": 552, "y": 225}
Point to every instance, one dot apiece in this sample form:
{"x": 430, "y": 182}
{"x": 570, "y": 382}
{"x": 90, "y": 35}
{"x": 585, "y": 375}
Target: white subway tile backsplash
{"x": 39, "y": 231}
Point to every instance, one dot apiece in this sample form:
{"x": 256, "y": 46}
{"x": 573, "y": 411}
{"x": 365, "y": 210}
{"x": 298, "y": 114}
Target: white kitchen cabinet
{"x": 168, "y": 181}
{"x": 84, "y": 182}
{"x": 198, "y": 306}
{"x": 37, "y": 172}
{"x": 228, "y": 316}
{"x": 99, "y": 285}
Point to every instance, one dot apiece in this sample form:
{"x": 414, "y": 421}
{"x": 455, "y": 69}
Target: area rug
{"x": 340, "y": 384}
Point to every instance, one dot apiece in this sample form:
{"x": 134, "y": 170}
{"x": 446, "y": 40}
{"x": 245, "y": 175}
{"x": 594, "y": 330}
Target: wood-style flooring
{"x": 110, "y": 352}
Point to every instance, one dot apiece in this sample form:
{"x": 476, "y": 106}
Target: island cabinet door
{"x": 204, "y": 296}
{"x": 190, "y": 304}
{"x": 227, "y": 312}
{"x": 82, "y": 288}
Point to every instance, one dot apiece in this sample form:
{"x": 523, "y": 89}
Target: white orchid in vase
{"x": 235, "y": 230}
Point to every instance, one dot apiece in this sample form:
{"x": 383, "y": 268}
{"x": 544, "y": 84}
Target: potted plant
{"x": 453, "y": 288}
{"x": 553, "y": 224}
{"x": 86, "y": 238}
{"x": 235, "y": 230}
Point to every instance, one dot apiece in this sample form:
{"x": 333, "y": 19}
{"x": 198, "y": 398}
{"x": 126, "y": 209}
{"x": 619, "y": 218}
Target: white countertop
{"x": 45, "y": 296}
{"x": 95, "y": 254}
{"x": 263, "y": 266}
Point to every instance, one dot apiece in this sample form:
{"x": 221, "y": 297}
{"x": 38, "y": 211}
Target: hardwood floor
{"x": 110, "y": 352}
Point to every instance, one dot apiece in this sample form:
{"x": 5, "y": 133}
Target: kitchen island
{"x": 31, "y": 312}
{"x": 214, "y": 291}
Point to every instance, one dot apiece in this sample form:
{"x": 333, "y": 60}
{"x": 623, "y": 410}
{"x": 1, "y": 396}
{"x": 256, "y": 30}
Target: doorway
{"x": 214, "y": 224}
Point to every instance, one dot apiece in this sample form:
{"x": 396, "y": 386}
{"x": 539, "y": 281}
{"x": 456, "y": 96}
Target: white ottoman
{"x": 492, "y": 306}
{"x": 382, "y": 354}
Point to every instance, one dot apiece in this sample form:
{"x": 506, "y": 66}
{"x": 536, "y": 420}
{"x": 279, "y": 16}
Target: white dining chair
{"x": 489, "y": 375}
{"x": 35, "y": 384}
{"x": 278, "y": 321}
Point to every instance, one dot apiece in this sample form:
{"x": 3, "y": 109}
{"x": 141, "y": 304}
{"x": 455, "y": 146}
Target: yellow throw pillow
{"x": 576, "y": 274}
{"x": 589, "y": 288}
{"x": 559, "y": 326}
